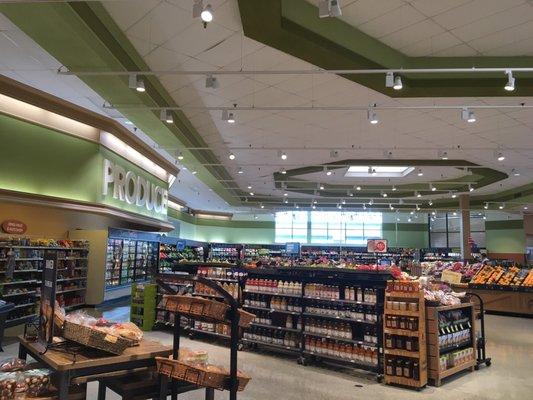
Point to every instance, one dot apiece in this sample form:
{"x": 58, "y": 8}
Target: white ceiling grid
{"x": 169, "y": 38}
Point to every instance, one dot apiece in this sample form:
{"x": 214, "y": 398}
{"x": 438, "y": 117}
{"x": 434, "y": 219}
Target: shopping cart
{"x": 481, "y": 340}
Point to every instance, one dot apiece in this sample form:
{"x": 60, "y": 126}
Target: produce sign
{"x": 376, "y": 246}
{"x": 48, "y": 297}
{"x": 14, "y": 227}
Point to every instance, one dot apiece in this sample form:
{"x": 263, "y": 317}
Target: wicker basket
{"x": 245, "y": 318}
{"x": 197, "y": 375}
{"x": 92, "y": 338}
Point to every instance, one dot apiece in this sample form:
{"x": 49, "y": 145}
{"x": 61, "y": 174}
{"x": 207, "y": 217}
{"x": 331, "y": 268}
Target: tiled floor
{"x": 510, "y": 344}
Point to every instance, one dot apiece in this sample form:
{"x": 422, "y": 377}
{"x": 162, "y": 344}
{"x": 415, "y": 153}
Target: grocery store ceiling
{"x": 162, "y": 35}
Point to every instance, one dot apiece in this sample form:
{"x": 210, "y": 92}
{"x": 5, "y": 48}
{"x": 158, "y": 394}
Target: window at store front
{"x": 445, "y": 230}
{"x": 328, "y": 227}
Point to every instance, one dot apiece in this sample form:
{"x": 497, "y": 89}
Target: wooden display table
{"x": 505, "y": 300}
{"x": 436, "y": 329}
{"x": 89, "y": 364}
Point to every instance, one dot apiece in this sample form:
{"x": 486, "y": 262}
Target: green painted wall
{"x": 38, "y": 160}
{"x": 505, "y": 236}
{"x": 235, "y": 235}
{"x": 406, "y": 235}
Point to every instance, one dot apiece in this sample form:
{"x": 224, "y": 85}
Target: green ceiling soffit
{"x": 293, "y": 27}
{"x": 84, "y": 36}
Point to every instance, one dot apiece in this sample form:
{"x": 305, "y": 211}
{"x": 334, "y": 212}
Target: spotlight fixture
{"x": 417, "y": 207}
{"x": 296, "y": 206}
{"x": 443, "y": 155}
{"x": 358, "y": 188}
{"x": 328, "y": 172}
{"x": 454, "y": 195}
{"x": 501, "y": 206}
{"x": 454, "y": 214}
{"x": 204, "y": 13}
{"x": 433, "y": 212}
{"x": 515, "y": 172}
{"x": 321, "y": 187}
{"x": 329, "y": 8}
{"x": 391, "y": 206}
{"x": 252, "y": 193}
{"x": 211, "y": 82}
{"x": 249, "y": 187}
{"x": 137, "y": 83}
{"x": 409, "y": 219}
{"x": 433, "y": 188}
{"x": 350, "y": 194}
{"x": 285, "y": 194}
{"x": 372, "y": 116}
{"x": 364, "y": 206}
{"x": 240, "y": 171}
{"x": 315, "y": 202}
{"x": 418, "y": 194}
{"x": 180, "y": 156}
{"x": 468, "y": 115}
{"x": 420, "y": 173}
{"x": 470, "y": 188}
{"x": 484, "y": 217}
{"x": 194, "y": 172}
{"x": 371, "y": 202}
{"x": 430, "y": 203}
{"x": 166, "y": 116}
{"x": 313, "y": 207}
{"x": 282, "y": 155}
{"x": 394, "y": 82}
{"x": 525, "y": 207}
{"x": 412, "y": 213}
{"x": 231, "y": 156}
{"x": 397, "y": 219}
{"x": 231, "y": 118}
{"x": 255, "y": 217}
{"x": 394, "y": 188}
{"x": 500, "y": 157}
{"x": 510, "y": 85}
{"x": 486, "y": 206}
{"x": 285, "y": 201}
{"x": 384, "y": 194}
{"x": 343, "y": 201}
{"x": 339, "y": 206}
{"x": 283, "y": 171}
{"x": 262, "y": 205}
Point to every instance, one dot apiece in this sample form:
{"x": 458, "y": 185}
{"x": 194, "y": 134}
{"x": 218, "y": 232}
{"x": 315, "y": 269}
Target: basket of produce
{"x": 200, "y": 374}
{"x": 196, "y": 307}
{"x": 91, "y": 337}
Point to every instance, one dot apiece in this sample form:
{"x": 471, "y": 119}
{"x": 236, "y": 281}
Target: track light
{"x": 515, "y": 172}
{"x": 470, "y": 188}
{"x": 372, "y": 116}
{"x": 433, "y": 213}
{"x": 371, "y": 202}
{"x": 510, "y": 85}
{"x": 321, "y": 187}
{"x": 194, "y": 172}
{"x": 501, "y": 206}
{"x": 283, "y": 171}
{"x": 249, "y": 187}
{"x": 231, "y": 156}
{"x": 454, "y": 195}
{"x": 315, "y": 201}
{"x": 468, "y": 115}
{"x": 420, "y": 173}
{"x": 285, "y": 201}
{"x": 418, "y": 194}
{"x": 525, "y": 207}
{"x": 417, "y": 207}
{"x": 166, "y": 116}
{"x": 430, "y": 203}
{"x": 454, "y": 213}
{"x": 137, "y": 83}
{"x": 282, "y": 155}
{"x": 486, "y": 206}
{"x": 240, "y": 171}
{"x": 364, "y": 206}
{"x": 394, "y": 82}
{"x": 350, "y": 194}
{"x": 328, "y": 172}
{"x": 391, "y": 206}
{"x": 500, "y": 157}
{"x": 180, "y": 156}
{"x": 296, "y": 206}
{"x": 339, "y": 206}
{"x": 400, "y": 201}
{"x": 262, "y": 205}
{"x": 204, "y": 13}
{"x": 433, "y": 188}
{"x": 231, "y": 118}
{"x": 329, "y": 8}
{"x": 394, "y": 188}
{"x": 252, "y": 194}
{"x": 443, "y": 155}
{"x": 409, "y": 219}
{"x": 211, "y": 82}
{"x": 383, "y": 194}
{"x": 358, "y": 188}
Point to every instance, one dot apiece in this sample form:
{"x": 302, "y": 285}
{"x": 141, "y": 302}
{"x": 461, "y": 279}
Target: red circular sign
{"x": 14, "y": 227}
{"x": 379, "y": 245}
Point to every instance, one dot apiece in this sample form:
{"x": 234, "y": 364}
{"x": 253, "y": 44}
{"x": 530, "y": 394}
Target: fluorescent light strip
{"x": 48, "y": 119}
{"x": 213, "y": 216}
{"x": 175, "y": 206}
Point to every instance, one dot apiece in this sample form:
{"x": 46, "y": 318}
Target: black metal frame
{"x": 481, "y": 342}
{"x": 232, "y": 316}
{"x": 331, "y": 276}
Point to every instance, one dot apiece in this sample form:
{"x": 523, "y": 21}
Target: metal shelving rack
{"x": 338, "y": 277}
{"x": 232, "y": 317}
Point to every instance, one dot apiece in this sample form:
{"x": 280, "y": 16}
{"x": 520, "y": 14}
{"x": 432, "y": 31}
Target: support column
{"x": 464, "y": 206}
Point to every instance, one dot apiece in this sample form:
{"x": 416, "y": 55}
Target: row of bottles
{"x": 360, "y": 354}
{"x": 359, "y": 294}
{"x": 274, "y": 303}
{"x": 339, "y": 330}
{"x": 455, "y": 338}
{"x": 274, "y": 286}
{"x": 222, "y": 329}
{"x": 404, "y": 367}
{"x": 356, "y": 312}
{"x": 287, "y": 339}
{"x": 456, "y": 358}
{"x": 401, "y": 342}
{"x": 322, "y": 291}
{"x": 231, "y": 288}
{"x": 398, "y": 322}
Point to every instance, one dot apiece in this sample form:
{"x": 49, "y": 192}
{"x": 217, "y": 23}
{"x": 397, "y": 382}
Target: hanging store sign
{"x": 126, "y": 186}
{"x": 14, "y": 227}
{"x": 376, "y": 246}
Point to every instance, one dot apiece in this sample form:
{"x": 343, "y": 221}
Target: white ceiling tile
{"x": 473, "y": 11}
{"x": 499, "y": 39}
{"x": 362, "y": 11}
{"x": 392, "y": 21}
{"x": 432, "y": 7}
{"x": 233, "y": 48}
{"x": 411, "y": 34}
{"x": 461, "y": 50}
{"x": 431, "y": 45}
{"x": 228, "y": 15}
{"x": 520, "y": 48}
{"x": 161, "y": 58}
{"x": 161, "y": 23}
{"x": 195, "y": 39}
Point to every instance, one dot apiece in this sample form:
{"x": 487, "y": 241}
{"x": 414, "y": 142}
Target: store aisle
{"x": 278, "y": 377}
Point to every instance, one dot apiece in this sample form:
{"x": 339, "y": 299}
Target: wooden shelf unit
{"x": 434, "y": 351}
{"x": 421, "y": 353}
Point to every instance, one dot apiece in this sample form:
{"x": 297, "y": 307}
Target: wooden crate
{"x": 420, "y": 355}
{"x": 434, "y": 373}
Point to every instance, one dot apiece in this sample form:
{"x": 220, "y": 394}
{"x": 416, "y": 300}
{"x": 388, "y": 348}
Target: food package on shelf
{"x": 126, "y": 330}
{"x": 508, "y": 276}
{"x": 8, "y": 383}
{"x": 193, "y": 357}
{"x": 12, "y": 364}
{"x": 34, "y": 382}
{"x": 496, "y": 275}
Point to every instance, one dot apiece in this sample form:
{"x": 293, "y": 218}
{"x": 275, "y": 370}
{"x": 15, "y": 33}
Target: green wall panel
{"x": 505, "y": 240}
